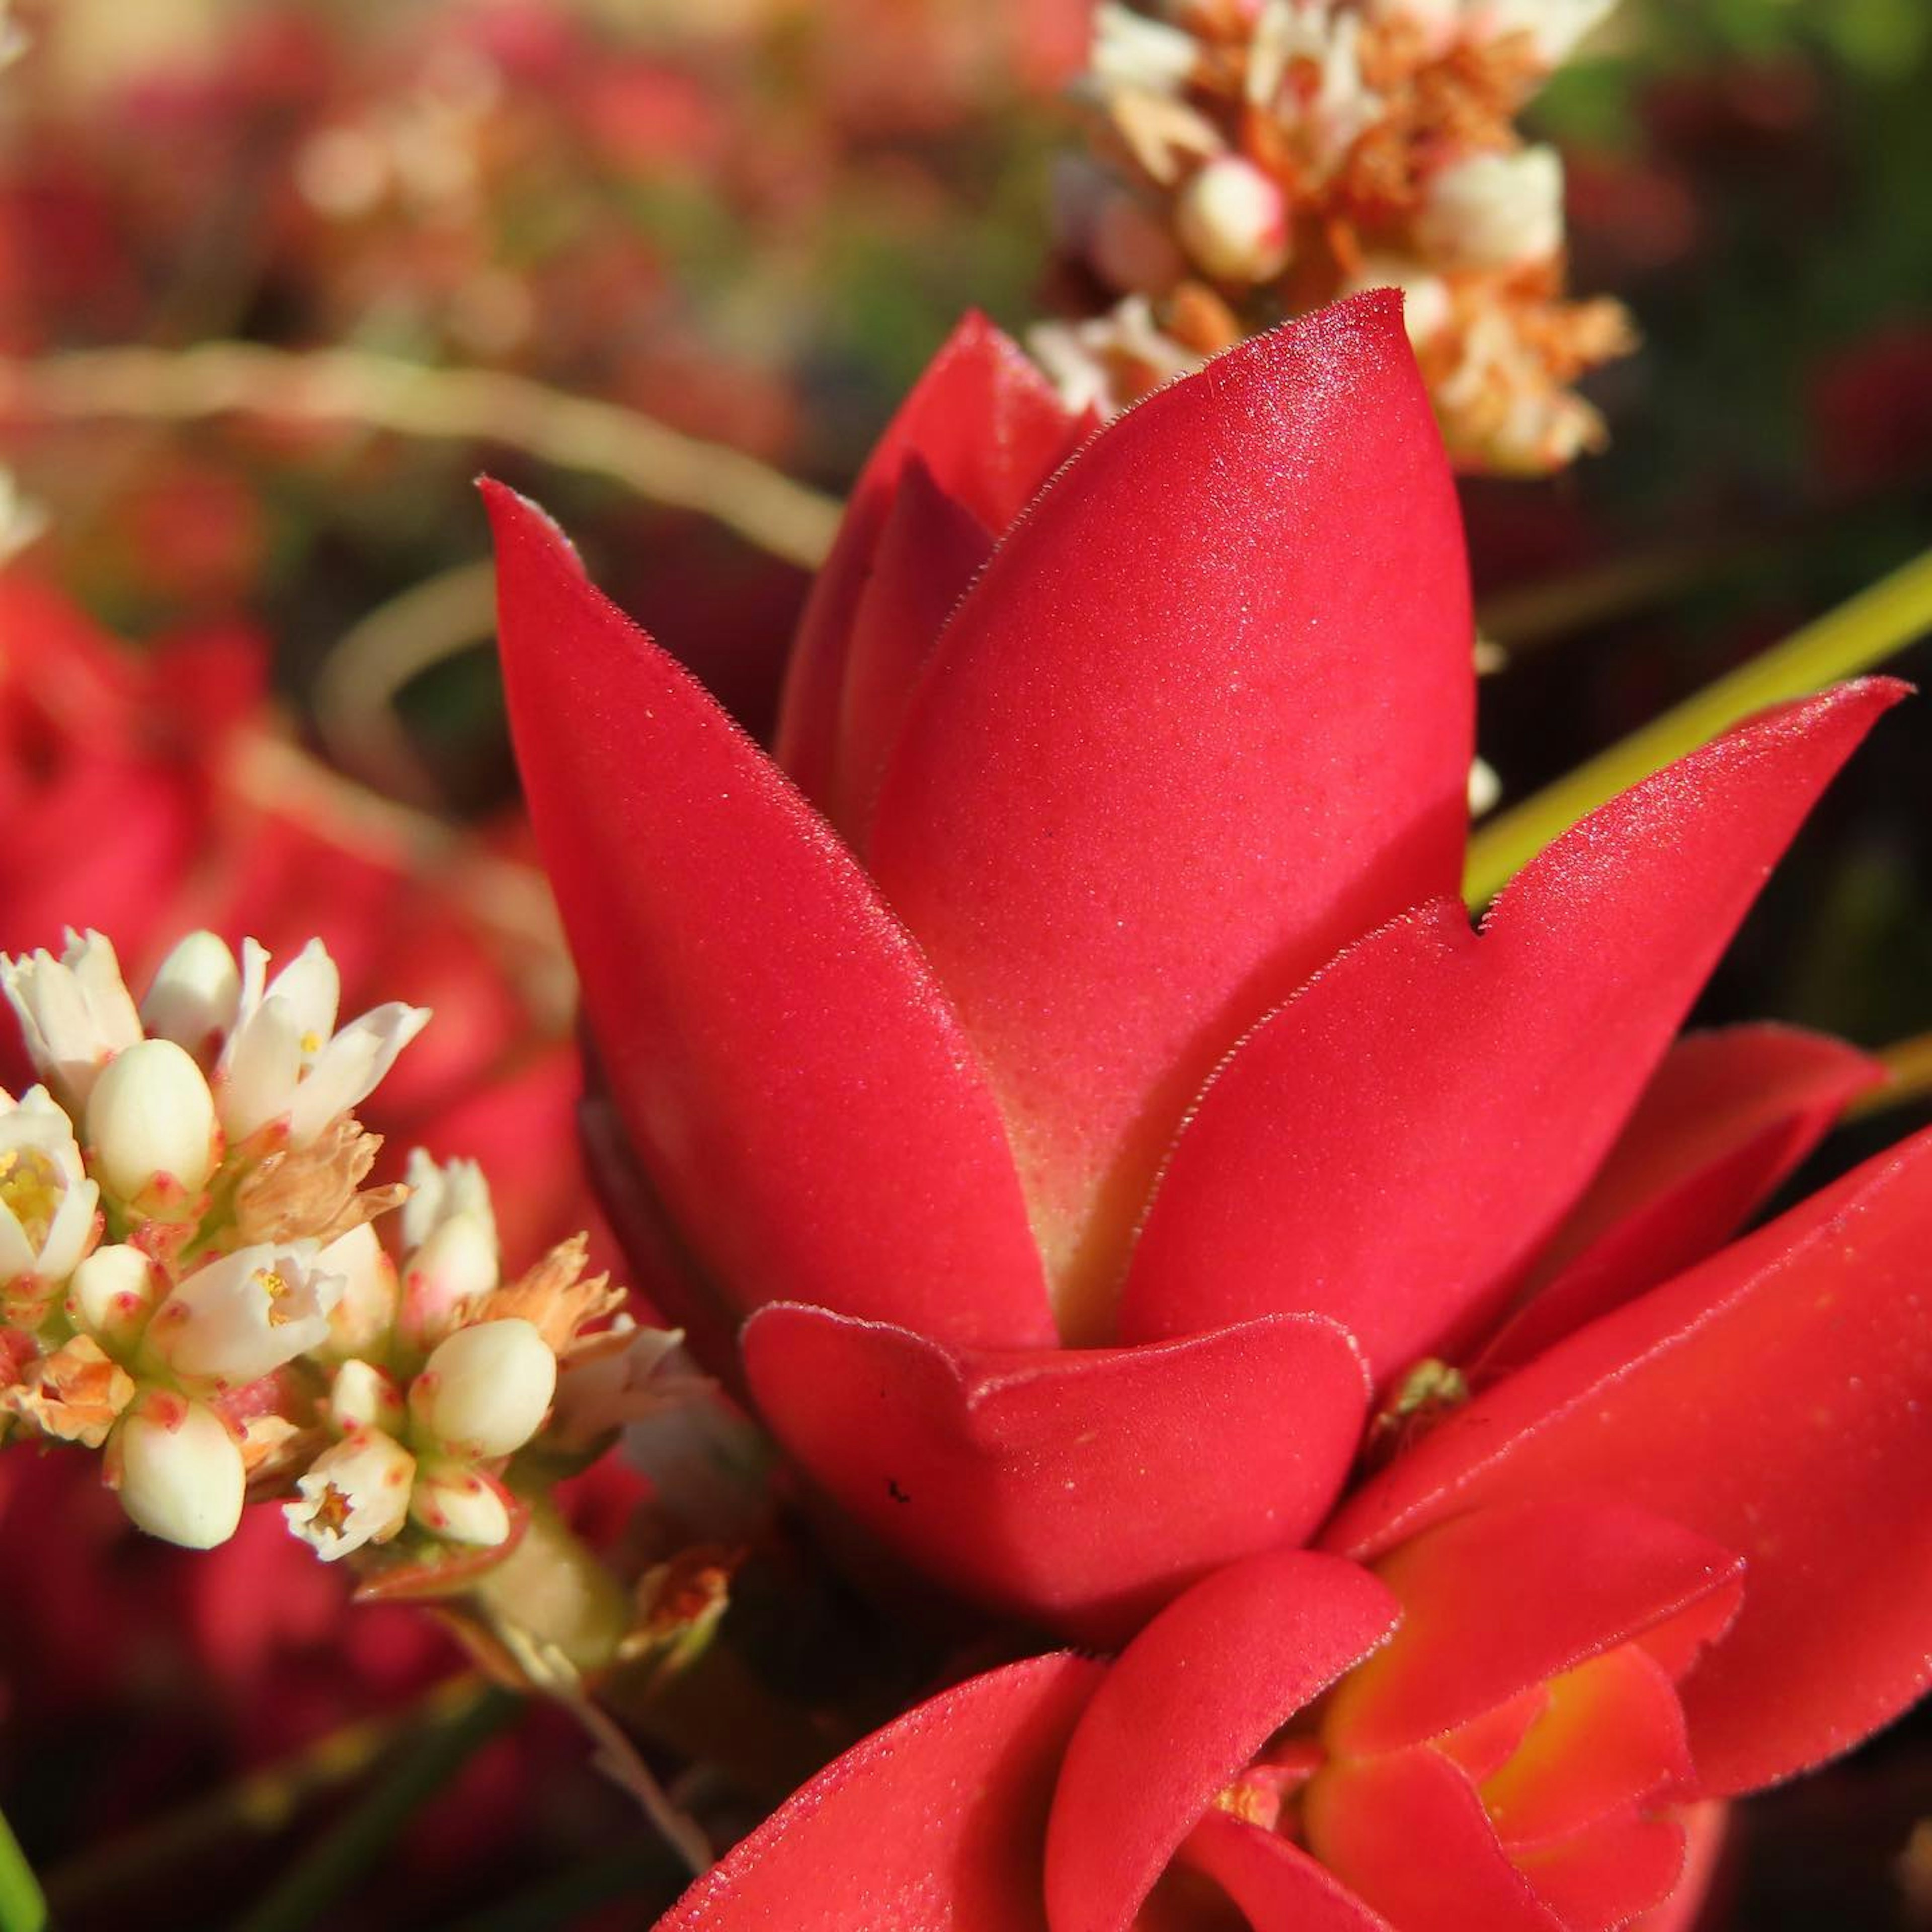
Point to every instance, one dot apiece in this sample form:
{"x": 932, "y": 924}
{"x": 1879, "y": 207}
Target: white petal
{"x": 258, "y": 1074}
{"x": 312, "y": 987}
{"x": 195, "y": 995}
{"x": 351, "y": 1067}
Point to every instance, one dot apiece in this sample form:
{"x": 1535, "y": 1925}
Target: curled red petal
{"x": 1776, "y": 1400}
{"x": 1601, "y": 1879}
{"x": 1080, "y": 1488}
{"x": 1408, "y": 1834}
{"x": 1277, "y": 1885}
{"x": 1725, "y": 1118}
{"x": 1190, "y": 1701}
{"x": 1512, "y": 1061}
{"x": 934, "y": 1824}
{"x": 1500, "y": 1599}
{"x": 777, "y": 1046}
{"x": 988, "y": 426}
{"x": 1205, "y": 714}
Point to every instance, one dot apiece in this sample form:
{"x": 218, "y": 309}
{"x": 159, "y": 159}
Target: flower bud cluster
{"x": 192, "y": 1283}
{"x": 1254, "y": 159}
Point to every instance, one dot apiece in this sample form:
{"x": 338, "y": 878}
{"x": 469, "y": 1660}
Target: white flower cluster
{"x": 191, "y": 1282}
{"x": 1253, "y": 159}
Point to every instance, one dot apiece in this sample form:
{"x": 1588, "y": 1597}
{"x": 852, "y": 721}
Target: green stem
{"x": 22, "y": 1907}
{"x": 1874, "y": 626}
{"x": 357, "y": 1839}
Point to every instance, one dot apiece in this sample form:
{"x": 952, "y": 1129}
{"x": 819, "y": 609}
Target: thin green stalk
{"x": 22, "y": 1907}
{"x": 354, "y": 1844}
{"x": 1875, "y": 624}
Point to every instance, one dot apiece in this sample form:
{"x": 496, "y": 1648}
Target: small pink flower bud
{"x": 355, "y": 1492}
{"x": 486, "y": 1390}
{"x": 1232, "y": 219}
{"x": 178, "y": 1470}
{"x": 450, "y": 1499}
{"x": 151, "y": 1127}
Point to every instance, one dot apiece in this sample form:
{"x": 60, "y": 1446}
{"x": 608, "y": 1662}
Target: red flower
{"x": 1091, "y": 1088}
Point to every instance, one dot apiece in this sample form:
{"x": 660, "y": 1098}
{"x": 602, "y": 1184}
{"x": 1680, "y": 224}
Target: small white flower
{"x": 241, "y": 1317}
{"x": 1130, "y": 50}
{"x": 355, "y": 1492}
{"x": 619, "y": 1378}
{"x": 451, "y": 1258}
{"x": 195, "y": 996}
{"x": 364, "y": 1397}
{"x": 178, "y": 1470}
{"x": 454, "y": 1501}
{"x": 1494, "y": 210}
{"x": 1232, "y": 218}
{"x": 285, "y": 1061}
{"x": 1080, "y": 358}
{"x": 75, "y": 1011}
{"x": 486, "y": 1390}
{"x": 152, "y": 1136}
{"x": 112, "y": 1293}
{"x": 47, "y": 1204}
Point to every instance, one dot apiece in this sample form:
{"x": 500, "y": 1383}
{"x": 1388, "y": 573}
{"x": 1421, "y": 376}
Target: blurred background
{"x": 277, "y": 279}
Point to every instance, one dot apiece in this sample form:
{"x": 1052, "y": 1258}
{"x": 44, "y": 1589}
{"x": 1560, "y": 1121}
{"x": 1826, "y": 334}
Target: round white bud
{"x": 111, "y": 1293}
{"x": 195, "y": 996}
{"x": 489, "y": 1388}
{"x": 150, "y": 1121}
{"x": 1232, "y": 218}
{"x": 179, "y": 1472}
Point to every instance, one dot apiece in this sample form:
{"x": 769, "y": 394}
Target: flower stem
{"x": 22, "y": 1909}
{"x": 354, "y": 1844}
{"x": 1879, "y": 622}
{"x": 1909, "y": 1063}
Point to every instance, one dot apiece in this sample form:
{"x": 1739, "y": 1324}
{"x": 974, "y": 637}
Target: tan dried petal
{"x": 312, "y": 1190}
{"x": 1159, "y": 132}
{"x": 273, "y": 1448}
{"x": 552, "y": 1297}
{"x": 76, "y": 1393}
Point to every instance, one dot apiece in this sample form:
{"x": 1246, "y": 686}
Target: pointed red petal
{"x": 1192, "y": 1699}
{"x": 1726, "y": 1117}
{"x": 1501, "y": 1599}
{"x": 932, "y": 1825}
{"x": 988, "y": 426}
{"x": 1278, "y": 1886}
{"x": 1778, "y": 1399}
{"x": 1389, "y": 1147}
{"x": 1599, "y": 1879}
{"x": 1204, "y": 716}
{"x": 928, "y": 550}
{"x": 781, "y": 1056}
{"x": 1013, "y": 1477}
{"x": 1409, "y": 1834}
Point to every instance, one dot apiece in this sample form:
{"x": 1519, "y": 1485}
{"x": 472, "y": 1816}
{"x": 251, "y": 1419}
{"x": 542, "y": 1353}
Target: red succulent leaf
{"x": 1079, "y": 1487}
{"x": 1773, "y": 1400}
{"x": 988, "y": 426}
{"x": 1204, "y": 716}
{"x": 1409, "y": 1834}
{"x": 1277, "y": 1885}
{"x": 783, "y": 1059}
{"x": 1725, "y": 1118}
{"x": 1190, "y": 1701}
{"x": 1514, "y": 1060}
{"x": 1502, "y": 1599}
{"x": 934, "y": 1824}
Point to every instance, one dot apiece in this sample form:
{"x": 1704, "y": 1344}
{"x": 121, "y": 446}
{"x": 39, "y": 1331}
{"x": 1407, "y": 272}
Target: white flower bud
{"x": 455, "y": 1267}
{"x": 178, "y": 1470}
{"x": 75, "y": 1011}
{"x": 241, "y": 1317}
{"x": 364, "y": 1397}
{"x": 361, "y": 1322}
{"x": 486, "y": 1390}
{"x": 195, "y": 996}
{"x": 355, "y": 1492}
{"x": 151, "y": 1125}
{"x": 452, "y": 1500}
{"x": 1494, "y": 210}
{"x": 112, "y": 1293}
{"x": 439, "y": 1192}
{"x": 1232, "y": 218}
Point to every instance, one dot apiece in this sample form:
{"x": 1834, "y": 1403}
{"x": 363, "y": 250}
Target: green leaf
{"x": 22, "y": 1907}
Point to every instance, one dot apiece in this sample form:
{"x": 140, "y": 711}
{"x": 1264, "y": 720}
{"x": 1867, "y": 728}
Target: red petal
{"x": 1485, "y": 1743}
{"x": 1727, "y": 1116}
{"x": 1498, "y": 1600}
{"x": 1705, "y": 1828}
{"x": 928, "y": 550}
{"x": 988, "y": 426}
{"x": 1204, "y": 716}
{"x": 1192, "y": 1699}
{"x": 1410, "y": 1835}
{"x": 1390, "y": 1146}
{"x": 1080, "y": 1488}
{"x": 932, "y": 1825}
{"x": 783, "y": 1060}
{"x": 1278, "y": 1886}
{"x": 1779, "y": 1400}
{"x": 1601, "y": 1879}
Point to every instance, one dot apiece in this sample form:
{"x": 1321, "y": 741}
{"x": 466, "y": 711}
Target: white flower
{"x": 179, "y": 1472}
{"x": 438, "y": 1194}
{"x": 75, "y": 1011}
{"x": 1130, "y": 50}
{"x": 195, "y": 996}
{"x": 451, "y": 1258}
{"x": 112, "y": 1293}
{"x": 285, "y": 1062}
{"x": 355, "y": 1492}
{"x": 1081, "y": 358}
{"x": 151, "y": 1137}
{"x": 1494, "y": 210}
{"x": 360, "y": 1322}
{"x": 486, "y": 1390}
{"x": 1554, "y": 26}
{"x": 618, "y": 1377}
{"x": 47, "y": 1204}
{"x": 452, "y": 1500}
{"x": 1232, "y": 218}
{"x": 241, "y": 1317}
